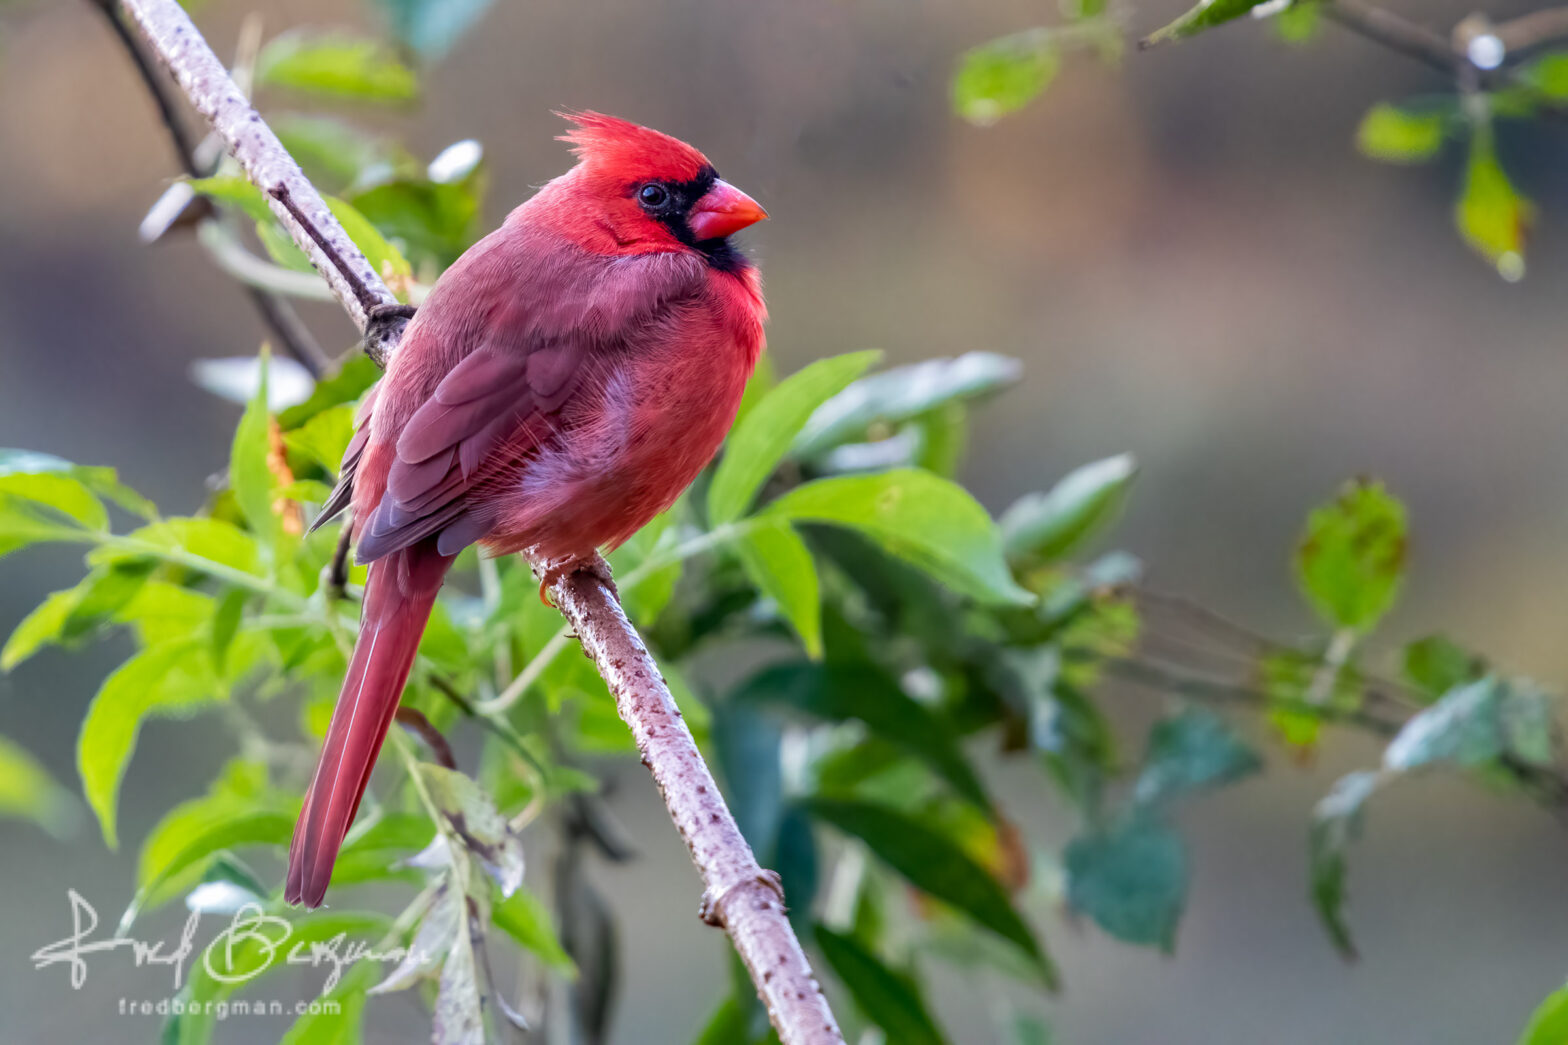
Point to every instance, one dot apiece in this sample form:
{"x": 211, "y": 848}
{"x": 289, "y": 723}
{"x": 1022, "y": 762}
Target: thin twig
{"x": 337, "y": 569}
{"x": 291, "y": 332}
{"x": 1524, "y": 34}
{"x": 738, "y": 894}
{"x": 276, "y": 313}
{"x": 1396, "y": 33}
{"x": 414, "y": 720}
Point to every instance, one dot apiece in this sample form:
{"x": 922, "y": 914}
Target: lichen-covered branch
{"x": 738, "y": 895}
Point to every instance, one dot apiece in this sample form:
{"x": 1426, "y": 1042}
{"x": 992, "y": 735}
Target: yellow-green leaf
{"x": 1394, "y": 134}
{"x": 171, "y": 679}
{"x": 780, "y": 565}
{"x": 336, "y": 64}
{"x": 1004, "y": 75}
{"x": 761, "y": 440}
{"x": 917, "y": 516}
{"x": 29, "y": 792}
{"x": 1491, "y": 215}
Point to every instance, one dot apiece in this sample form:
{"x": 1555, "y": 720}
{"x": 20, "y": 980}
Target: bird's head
{"x": 654, "y": 192}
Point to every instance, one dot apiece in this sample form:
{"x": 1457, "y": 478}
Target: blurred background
{"x": 1194, "y": 265}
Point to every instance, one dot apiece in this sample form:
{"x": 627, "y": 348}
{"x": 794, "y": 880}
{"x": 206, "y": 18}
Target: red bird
{"x": 565, "y": 380}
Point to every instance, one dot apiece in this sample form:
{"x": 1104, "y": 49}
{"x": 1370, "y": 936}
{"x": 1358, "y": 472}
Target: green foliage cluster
{"x": 1491, "y": 215}
{"x": 904, "y": 632}
{"x": 903, "y": 639}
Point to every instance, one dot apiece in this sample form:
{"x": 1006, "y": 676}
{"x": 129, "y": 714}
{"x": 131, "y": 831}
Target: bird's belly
{"x": 605, "y": 478}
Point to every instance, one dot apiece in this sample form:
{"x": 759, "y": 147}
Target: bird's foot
{"x": 551, "y": 571}
{"x": 381, "y": 317}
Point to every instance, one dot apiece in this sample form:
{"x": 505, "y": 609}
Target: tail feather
{"x": 399, "y": 594}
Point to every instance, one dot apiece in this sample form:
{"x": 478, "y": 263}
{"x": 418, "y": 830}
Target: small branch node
{"x": 711, "y": 909}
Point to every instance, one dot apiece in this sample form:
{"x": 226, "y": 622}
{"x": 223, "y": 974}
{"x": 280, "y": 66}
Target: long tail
{"x": 398, "y": 596}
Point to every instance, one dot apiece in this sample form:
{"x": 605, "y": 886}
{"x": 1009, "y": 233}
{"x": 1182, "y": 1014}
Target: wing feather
{"x": 514, "y": 369}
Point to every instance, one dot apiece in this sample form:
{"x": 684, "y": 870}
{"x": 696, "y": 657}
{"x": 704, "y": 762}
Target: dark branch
{"x": 184, "y": 144}
{"x": 1530, "y": 31}
{"x": 279, "y": 316}
{"x": 1397, "y": 33}
{"x": 414, "y": 720}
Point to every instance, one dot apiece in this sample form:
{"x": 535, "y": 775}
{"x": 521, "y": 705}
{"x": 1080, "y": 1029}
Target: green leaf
{"x": 336, "y": 154}
{"x": 100, "y": 481}
{"x": 890, "y": 999}
{"x": 780, "y": 565}
{"x": 216, "y": 541}
{"x": 1464, "y": 728}
{"x": 645, "y": 599}
{"x": 935, "y": 865}
{"x": 728, "y": 1024}
{"x": 28, "y": 792}
{"x": 1491, "y": 215}
{"x": 917, "y": 516}
{"x": 324, "y": 437}
{"x": 1206, "y": 15}
{"x": 237, "y": 192}
{"x": 441, "y": 914}
{"x": 1351, "y": 560}
{"x": 1030, "y": 1030}
{"x": 1548, "y": 74}
{"x": 163, "y": 680}
{"x": 1131, "y": 878}
{"x": 260, "y": 946}
{"x": 1299, "y": 22}
{"x": 1192, "y": 751}
{"x": 458, "y": 1018}
{"x": 61, "y": 493}
{"x": 194, "y": 832}
{"x": 902, "y": 394}
{"x": 857, "y": 691}
{"x": 433, "y": 222}
{"x": 1336, "y": 822}
{"x": 1004, "y": 75}
{"x": 321, "y": 1025}
{"x": 67, "y": 616}
{"x": 386, "y": 259}
{"x": 1436, "y": 664}
{"x": 747, "y": 745}
{"x": 40, "y": 627}
{"x": 474, "y": 816}
{"x": 335, "y": 64}
{"x": 1549, "y": 1023}
{"x": 22, "y": 523}
{"x": 250, "y": 475}
{"x": 760, "y": 441}
{"x": 431, "y": 27}
{"x": 350, "y": 382}
{"x": 1394, "y": 134}
{"x": 1049, "y": 526}
{"x": 522, "y": 917}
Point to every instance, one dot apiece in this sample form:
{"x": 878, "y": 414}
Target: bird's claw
{"x": 552, "y": 571}
{"x": 379, "y": 317}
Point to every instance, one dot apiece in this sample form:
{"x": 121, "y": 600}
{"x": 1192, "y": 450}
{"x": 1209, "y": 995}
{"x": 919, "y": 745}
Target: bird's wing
{"x": 521, "y": 356}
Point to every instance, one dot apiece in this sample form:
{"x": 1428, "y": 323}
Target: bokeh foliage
{"x": 1489, "y": 86}
{"x": 903, "y": 641}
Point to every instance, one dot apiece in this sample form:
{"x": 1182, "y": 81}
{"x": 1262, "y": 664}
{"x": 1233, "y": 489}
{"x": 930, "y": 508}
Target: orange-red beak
{"x": 722, "y": 211}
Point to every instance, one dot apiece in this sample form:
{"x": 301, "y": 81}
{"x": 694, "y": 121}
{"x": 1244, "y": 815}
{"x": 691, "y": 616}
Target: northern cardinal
{"x": 564, "y": 381}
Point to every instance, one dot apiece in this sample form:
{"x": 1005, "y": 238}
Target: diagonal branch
{"x": 739, "y": 895}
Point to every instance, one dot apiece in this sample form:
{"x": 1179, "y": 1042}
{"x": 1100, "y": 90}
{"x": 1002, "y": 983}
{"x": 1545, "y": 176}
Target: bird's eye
{"x": 653, "y": 195}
